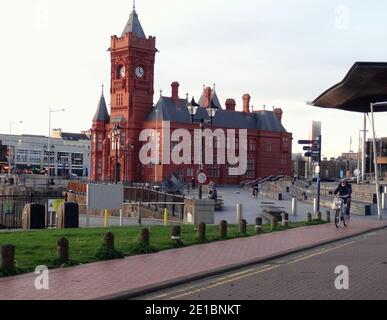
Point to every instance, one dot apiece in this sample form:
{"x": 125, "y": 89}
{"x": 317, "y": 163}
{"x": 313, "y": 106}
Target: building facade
{"x": 63, "y": 153}
{"x": 269, "y": 145}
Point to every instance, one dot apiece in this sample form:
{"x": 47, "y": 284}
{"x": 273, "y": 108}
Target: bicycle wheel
{"x": 346, "y": 220}
{"x": 338, "y": 218}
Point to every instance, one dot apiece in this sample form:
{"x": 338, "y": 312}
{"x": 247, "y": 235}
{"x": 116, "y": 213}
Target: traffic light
{"x": 313, "y": 149}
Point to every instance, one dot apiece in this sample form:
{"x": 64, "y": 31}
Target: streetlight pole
{"x": 116, "y": 133}
{"x": 193, "y": 108}
{"x": 378, "y": 104}
{"x": 49, "y": 141}
{"x": 9, "y": 145}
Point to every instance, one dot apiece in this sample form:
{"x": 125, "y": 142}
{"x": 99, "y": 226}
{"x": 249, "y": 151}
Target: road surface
{"x": 308, "y": 275}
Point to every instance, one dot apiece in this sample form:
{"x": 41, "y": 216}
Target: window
{"x": 99, "y": 142}
{"x": 99, "y": 167}
{"x": 213, "y": 170}
{"x": 250, "y": 173}
{"x": 77, "y": 159}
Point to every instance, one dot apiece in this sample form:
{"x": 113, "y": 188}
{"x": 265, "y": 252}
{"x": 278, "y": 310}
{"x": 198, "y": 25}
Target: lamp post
{"x": 116, "y": 134}
{"x": 49, "y": 141}
{"x": 193, "y": 109}
{"x": 378, "y": 104}
{"x": 11, "y": 123}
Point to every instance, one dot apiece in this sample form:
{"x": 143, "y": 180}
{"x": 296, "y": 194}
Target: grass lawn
{"x": 34, "y": 248}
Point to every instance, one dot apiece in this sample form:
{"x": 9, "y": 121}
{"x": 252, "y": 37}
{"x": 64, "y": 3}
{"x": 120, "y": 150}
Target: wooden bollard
{"x": 258, "y": 225}
{"x": 328, "y": 216}
{"x": 243, "y": 227}
{"x": 274, "y": 222}
{"x": 62, "y": 249}
{"x": 319, "y": 216}
{"x": 309, "y": 217}
{"x": 285, "y": 220}
{"x": 202, "y": 232}
{"x": 176, "y": 233}
{"x": 7, "y": 257}
{"x": 108, "y": 240}
{"x": 145, "y": 237}
{"x": 223, "y": 229}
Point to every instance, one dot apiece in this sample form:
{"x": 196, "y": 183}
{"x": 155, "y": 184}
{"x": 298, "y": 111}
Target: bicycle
{"x": 340, "y": 209}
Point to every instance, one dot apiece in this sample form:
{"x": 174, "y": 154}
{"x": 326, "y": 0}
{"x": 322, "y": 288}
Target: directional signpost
{"x": 313, "y": 151}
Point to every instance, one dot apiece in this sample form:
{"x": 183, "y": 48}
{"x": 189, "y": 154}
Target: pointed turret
{"x": 102, "y": 113}
{"x": 134, "y": 25}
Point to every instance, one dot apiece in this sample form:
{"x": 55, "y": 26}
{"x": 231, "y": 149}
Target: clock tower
{"x": 132, "y": 89}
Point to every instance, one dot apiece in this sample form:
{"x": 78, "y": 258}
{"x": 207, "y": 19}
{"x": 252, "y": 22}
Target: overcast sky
{"x": 282, "y": 52}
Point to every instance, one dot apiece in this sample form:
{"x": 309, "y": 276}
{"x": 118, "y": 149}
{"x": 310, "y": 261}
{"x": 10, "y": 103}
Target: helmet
{"x": 344, "y": 181}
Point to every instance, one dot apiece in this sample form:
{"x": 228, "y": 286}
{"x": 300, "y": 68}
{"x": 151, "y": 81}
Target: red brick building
{"x": 131, "y": 106}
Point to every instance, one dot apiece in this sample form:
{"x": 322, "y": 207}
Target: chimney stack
{"x": 175, "y": 91}
{"x": 246, "y": 103}
{"x": 278, "y": 113}
{"x": 207, "y": 97}
{"x": 230, "y": 105}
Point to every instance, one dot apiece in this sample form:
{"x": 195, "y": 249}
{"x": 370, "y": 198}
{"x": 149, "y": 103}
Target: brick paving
{"x": 120, "y": 277}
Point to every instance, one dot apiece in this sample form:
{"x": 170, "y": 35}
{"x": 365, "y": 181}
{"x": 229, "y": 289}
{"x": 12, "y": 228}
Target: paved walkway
{"x": 137, "y": 274}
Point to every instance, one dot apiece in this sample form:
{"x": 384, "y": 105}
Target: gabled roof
{"x": 134, "y": 26}
{"x": 168, "y": 110}
{"x": 102, "y": 113}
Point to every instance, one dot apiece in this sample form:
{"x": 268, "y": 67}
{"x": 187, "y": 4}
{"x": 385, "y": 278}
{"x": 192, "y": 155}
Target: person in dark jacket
{"x": 344, "y": 190}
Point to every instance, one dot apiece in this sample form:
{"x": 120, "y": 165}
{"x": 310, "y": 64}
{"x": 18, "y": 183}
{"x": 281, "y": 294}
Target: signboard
{"x": 54, "y": 204}
{"x": 105, "y": 196}
{"x": 8, "y": 208}
{"x": 202, "y": 178}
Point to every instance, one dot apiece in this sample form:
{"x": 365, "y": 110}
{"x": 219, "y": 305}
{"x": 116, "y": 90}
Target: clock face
{"x": 122, "y": 72}
{"x": 140, "y": 72}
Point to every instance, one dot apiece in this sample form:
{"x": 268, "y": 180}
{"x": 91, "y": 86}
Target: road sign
{"x": 202, "y": 178}
{"x": 305, "y": 141}
{"x": 8, "y": 208}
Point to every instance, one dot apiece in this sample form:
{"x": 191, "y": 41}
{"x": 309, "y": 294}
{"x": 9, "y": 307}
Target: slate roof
{"x": 134, "y": 26}
{"x": 168, "y": 110}
{"x": 102, "y": 113}
{"x": 74, "y": 136}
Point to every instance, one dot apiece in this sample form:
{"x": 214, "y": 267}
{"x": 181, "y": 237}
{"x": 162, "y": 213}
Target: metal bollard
{"x": 328, "y": 216}
{"x": 315, "y": 206}
{"x": 294, "y": 207}
{"x": 239, "y": 213}
{"x": 285, "y": 220}
{"x": 309, "y": 217}
{"x": 258, "y": 225}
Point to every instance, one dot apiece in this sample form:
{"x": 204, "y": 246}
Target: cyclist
{"x": 344, "y": 190}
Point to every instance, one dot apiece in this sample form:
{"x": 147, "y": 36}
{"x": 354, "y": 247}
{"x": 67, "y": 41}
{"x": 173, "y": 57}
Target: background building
{"x": 69, "y": 153}
{"x": 131, "y": 101}
{"x": 381, "y": 150}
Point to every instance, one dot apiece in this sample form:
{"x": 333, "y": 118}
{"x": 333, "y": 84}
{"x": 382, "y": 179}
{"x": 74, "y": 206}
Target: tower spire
{"x": 134, "y": 5}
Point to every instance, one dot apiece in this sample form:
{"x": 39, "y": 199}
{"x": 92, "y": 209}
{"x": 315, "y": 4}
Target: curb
{"x": 132, "y": 293}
